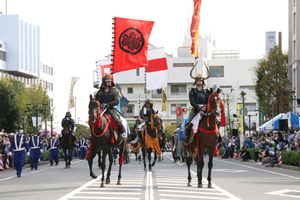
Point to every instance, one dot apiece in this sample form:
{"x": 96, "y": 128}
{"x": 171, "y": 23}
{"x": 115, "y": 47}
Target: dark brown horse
{"x": 206, "y": 138}
{"x": 66, "y": 142}
{"x": 162, "y": 144}
{"x": 102, "y": 139}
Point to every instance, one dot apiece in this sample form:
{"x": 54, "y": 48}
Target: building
{"x": 20, "y": 54}
{"x": 294, "y": 51}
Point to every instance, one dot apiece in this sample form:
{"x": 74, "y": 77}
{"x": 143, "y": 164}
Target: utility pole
{"x": 250, "y": 120}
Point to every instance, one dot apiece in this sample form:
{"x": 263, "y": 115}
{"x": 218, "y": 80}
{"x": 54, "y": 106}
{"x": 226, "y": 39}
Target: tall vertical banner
{"x": 71, "y": 98}
{"x": 270, "y": 42}
{"x": 157, "y": 69}
{"x": 130, "y": 44}
{"x": 239, "y": 118}
{"x": 164, "y": 100}
{"x": 195, "y": 28}
{"x": 34, "y": 121}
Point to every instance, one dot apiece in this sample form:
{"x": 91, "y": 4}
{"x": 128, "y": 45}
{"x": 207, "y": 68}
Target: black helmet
{"x": 149, "y": 102}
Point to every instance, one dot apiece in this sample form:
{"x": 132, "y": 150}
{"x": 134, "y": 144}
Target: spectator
{"x": 297, "y": 140}
{"x": 264, "y": 156}
{"x": 291, "y": 139}
{"x": 272, "y": 158}
{"x": 248, "y": 142}
{"x": 286, "y": 145}
{"x": 231, "y": 145}
{"x": 244, "y": 154}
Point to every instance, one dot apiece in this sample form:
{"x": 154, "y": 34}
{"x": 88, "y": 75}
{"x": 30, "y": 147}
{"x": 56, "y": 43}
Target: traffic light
{"x": 184, "y": 109}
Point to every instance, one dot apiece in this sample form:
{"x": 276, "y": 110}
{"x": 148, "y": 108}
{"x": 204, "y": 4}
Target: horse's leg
{"x": 103, "y": 165}
{"x": 99, "y": 159}
{"x": 189, "y": 157}
{"x": 155, "y": 158}
{"x": 109, "y": 167}
{"x": 210, "y": 165}
{"x": 90, "y": 162}
{"x": 200, "y": 165}
{"x": 121, "y": 159}
{"x": 66, "y": 158}
{"x": 149, "y": 150}
{"x": 70, "y": 156}
{"x": 144, "y": 158}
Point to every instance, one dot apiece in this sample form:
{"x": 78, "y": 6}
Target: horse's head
{"x": 94, "y": 110}
{"x": 156, "y": 121}
{"x": 215, "y": 104}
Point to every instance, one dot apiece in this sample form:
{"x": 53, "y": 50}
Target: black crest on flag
{"x": 131, "y": 41}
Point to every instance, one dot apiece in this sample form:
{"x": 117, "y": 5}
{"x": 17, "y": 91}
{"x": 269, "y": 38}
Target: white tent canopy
{"x": 269, "y": 125}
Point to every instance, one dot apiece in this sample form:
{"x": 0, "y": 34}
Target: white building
{"x": 20, "y": 54}
{"x": 294, "y": 51}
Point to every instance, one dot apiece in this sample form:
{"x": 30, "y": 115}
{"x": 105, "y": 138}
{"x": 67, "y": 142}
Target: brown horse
{"x": 103, "y": 139}
{"x": 207, "y": 137}
{"x": 65, "y": 141}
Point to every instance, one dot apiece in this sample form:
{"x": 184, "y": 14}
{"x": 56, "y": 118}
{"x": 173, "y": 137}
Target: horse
{"x": 150, "y": 140}
{"x": 207, "y": 136}
{"x": 65, "y": 141}
{"x": 103, "y": 138}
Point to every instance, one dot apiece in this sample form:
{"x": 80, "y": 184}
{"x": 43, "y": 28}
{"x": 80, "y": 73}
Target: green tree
{"x": 272, "y": 85}
{"x": 169, "y": 131}
{"x": 82, "y": 130}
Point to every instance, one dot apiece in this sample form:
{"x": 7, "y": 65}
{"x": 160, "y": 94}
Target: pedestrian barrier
{"x": 235, "y": 154}
{"x": 280, "y": 158}
{"x": 1, "y": 163}
{"x": 7, "y": 163}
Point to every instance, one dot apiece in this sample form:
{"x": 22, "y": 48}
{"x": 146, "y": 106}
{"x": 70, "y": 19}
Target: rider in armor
{"x": 198, "y": 97}
{"x": 108, "y": 98}
{"x": 71, "y": 121}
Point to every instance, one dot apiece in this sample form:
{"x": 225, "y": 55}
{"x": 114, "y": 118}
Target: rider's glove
{"x": 106, "y": 106}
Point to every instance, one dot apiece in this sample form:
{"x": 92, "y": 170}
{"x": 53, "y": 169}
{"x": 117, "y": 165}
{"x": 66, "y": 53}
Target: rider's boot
{"x": 187, "y": 134}
{"x": 121, "y": 131}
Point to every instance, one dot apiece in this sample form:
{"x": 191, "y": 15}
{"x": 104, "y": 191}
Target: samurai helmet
{"x": 199, "y": 76}
{"x": 149, "y": 102}
{"x": 107, "y": 78}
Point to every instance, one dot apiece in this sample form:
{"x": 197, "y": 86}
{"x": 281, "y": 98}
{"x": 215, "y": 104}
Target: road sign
{"x": 244, "y": 111}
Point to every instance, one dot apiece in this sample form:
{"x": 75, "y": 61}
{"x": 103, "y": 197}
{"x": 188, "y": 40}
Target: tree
{"x": 169, "y": 129}
{"x": 272, "y": 85}
{"x": 82, "y": 130}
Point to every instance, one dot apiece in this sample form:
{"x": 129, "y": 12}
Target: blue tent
{"x": 272, "y": 124}
{"x": 295, "y": 120}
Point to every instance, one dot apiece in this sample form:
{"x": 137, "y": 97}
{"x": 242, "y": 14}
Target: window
{"x": 2, "y": 55}
{"x": 247, "y": 87}
{"x": 183, "y": 64}
{"x": 157, "y": 93}
{"x": 130, "y": 90}
{"x": 250, "y": 106}
{"x": 178, "y": 89}
{"x": 138, "y": 72}
{"x": 128, "y": 110}
{"x": 217, "y": 71}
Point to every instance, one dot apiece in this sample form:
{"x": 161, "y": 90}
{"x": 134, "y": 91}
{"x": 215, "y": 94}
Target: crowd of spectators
{"x": 266, "y": 144}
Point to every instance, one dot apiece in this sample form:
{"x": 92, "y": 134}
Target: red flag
{"x": 130, "y": 42}
{"x": 195, "y": 28}
{"x": 103, "y": 67}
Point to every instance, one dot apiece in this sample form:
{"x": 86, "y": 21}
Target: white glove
{"x": 41, "y": 150}
{"x": 10, "y": 154}
{"x": 28, "y": 153}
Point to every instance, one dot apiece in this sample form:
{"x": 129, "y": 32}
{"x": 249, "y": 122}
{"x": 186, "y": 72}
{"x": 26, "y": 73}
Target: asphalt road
{"x": 232, "y": 179}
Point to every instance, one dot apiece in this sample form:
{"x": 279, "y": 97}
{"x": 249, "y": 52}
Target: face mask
{"x": 21, "y": 131}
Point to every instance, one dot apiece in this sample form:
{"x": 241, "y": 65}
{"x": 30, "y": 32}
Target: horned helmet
{"x": 199, "y": 76}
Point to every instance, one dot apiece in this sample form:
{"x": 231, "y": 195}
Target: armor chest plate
{"x": 106, "y": 97}
{"x": 199, "y": 97}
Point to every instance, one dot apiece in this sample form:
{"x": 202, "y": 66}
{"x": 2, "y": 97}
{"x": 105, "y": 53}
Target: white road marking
{"x": 229, "y": 170}
{"x": 263, "y": 170}
{"x": 38, "y": 171}
{"x": 282, "y": 193}
{"x": 149, "y": 187}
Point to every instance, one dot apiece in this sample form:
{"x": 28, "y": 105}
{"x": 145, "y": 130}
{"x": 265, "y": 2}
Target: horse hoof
{"x": 209, "y": 185}
{"x": 150, "y": 170}
{"x": 94, "y": 176}
{"x": 189, "y": 183}
{"x": 200, "y": 185}
{"x": 145, "y": 169}
{"x": 119, "y": 183}
{"x": 102, "y": 185}
{"x": 107, "y": 181}
{"x": 153, "y": 165}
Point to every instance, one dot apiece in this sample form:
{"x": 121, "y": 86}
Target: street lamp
{"x": 37, "y": 111}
